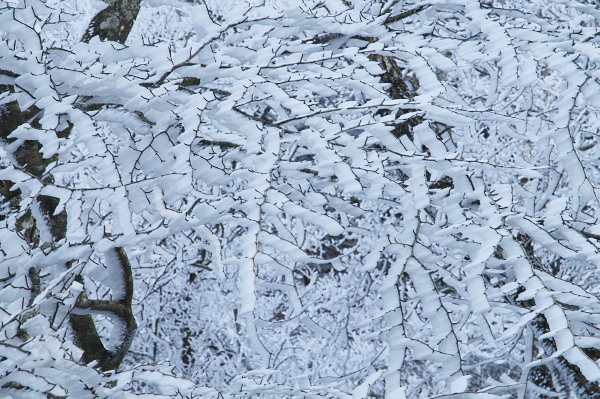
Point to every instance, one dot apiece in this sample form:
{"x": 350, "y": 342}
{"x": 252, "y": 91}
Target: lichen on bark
{"x": 115, "y": 22}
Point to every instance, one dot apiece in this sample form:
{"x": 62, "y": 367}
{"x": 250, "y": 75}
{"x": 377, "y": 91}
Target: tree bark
{"x": 114, "y": 23}
{"x": 397, "y": 90}
{"x": 86, "y": 334}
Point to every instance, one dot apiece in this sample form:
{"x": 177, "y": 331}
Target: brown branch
{"x": 589, "y": 235}
{"x": 113, "y": 23}
{"x": 127, "y": 276}
{"x": 8, "y": 73}
{"x": 5, "y": 279}
{"x": 87, "y": 338}
{"x": 19, "y": 386}
{"x": 398, "y": 17}
{"x": 86, "y": 334}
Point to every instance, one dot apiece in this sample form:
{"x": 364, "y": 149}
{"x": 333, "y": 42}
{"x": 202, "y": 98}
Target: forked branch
{"x": 86, "y": 334}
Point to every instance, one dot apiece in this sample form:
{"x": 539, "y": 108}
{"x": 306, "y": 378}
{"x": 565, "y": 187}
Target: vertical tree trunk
{"x": 114, "y": 23}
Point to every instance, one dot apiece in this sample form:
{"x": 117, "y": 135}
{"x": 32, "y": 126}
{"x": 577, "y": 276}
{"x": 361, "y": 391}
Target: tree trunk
{"x": 114, "y": 23}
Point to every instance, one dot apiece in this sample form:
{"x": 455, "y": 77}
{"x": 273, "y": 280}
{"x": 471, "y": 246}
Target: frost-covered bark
{"x": 42, "y": 225}
{"x": 30, "y": 158}
{"x": 86, "y": 334}
{"x": 114, "y": 22}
